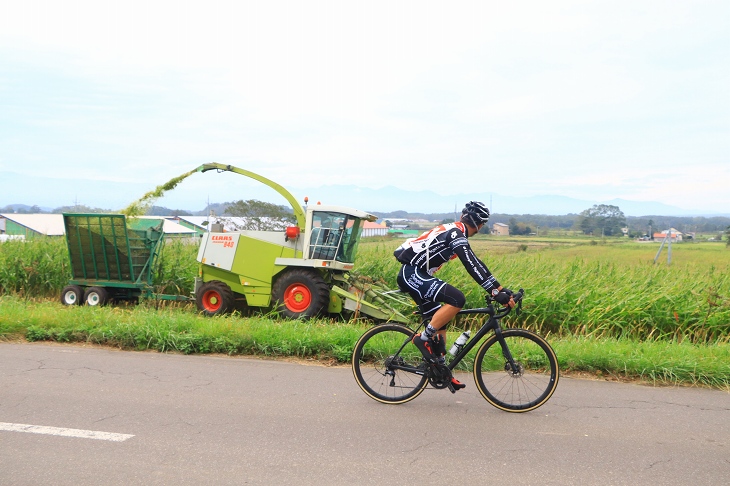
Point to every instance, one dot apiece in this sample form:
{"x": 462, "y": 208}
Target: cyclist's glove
{"x": 503, "y": 296}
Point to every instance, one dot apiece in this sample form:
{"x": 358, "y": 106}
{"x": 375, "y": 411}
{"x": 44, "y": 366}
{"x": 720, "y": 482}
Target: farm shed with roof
{"x": 374, "y": 229}
{"x": 31, "y": 225}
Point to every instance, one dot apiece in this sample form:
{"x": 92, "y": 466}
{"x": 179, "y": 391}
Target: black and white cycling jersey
{"x": 431, "y": 250}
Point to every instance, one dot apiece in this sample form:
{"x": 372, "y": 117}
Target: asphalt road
{"x": 227, "y": 420}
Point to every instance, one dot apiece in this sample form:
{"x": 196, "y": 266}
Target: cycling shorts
{"x": 428, "y": 291}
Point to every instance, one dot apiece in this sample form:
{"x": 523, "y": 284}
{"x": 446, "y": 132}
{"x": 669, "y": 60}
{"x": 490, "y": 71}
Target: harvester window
{"x": 334, "y": 236}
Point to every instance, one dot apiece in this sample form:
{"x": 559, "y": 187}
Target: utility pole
{"x": 667, "y": 239}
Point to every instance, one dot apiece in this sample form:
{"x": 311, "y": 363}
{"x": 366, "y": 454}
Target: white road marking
{"x": 83, "y": 434}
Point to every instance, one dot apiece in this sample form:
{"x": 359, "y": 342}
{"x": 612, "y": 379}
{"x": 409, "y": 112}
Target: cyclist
{"x": 437, "y": 300}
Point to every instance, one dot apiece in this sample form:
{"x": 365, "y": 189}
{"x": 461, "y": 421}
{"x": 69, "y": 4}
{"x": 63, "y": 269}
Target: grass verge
{"x": 181, "y": 329}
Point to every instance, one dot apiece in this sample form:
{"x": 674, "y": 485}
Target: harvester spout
{"x": 214, "y": 166}
{"x": 296, "y": 208}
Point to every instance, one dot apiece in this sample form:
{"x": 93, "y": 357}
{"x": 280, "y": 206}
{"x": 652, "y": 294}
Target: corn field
{"x": 572, "y": 288}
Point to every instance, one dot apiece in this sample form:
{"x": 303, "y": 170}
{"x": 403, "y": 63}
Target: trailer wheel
{"x": 96, "y": 296}
{"x": 215, "y": 298}
{"x": 72, "y": 295}
{"x": 300, "y": 293}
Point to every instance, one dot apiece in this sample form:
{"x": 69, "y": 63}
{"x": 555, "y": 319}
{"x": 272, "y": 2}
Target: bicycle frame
{"x": 492, "y": 324}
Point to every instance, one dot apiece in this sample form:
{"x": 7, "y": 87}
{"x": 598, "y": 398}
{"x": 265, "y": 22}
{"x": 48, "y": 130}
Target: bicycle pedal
{"x": 451, "y": 388}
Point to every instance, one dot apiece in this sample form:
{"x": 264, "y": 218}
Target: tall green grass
{"x": 37, "y": 266}
{"x": 598, "y": 290}
{"x": 573, "y": 287}
{"x": 181, "y": 329}
{"x": 175, "y": 329}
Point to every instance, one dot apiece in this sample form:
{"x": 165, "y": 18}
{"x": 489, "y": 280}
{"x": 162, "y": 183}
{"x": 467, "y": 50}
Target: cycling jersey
{"x": 431, "y": 250}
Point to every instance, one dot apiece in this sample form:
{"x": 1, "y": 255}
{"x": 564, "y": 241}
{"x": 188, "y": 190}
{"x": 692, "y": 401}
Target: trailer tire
{"x": 300, "y": 293}
{"x": 215, "y": 298}
{"x": 72, "y": 295}
{"x": 96, "y": 296}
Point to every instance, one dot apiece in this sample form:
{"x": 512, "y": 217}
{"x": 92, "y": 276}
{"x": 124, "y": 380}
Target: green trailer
{"x": 111, "y": 257}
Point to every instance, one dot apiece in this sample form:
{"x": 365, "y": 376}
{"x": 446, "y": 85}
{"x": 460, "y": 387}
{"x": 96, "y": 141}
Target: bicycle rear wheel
{"x": 386, "y": 366}
{"x": 522, "y": 389}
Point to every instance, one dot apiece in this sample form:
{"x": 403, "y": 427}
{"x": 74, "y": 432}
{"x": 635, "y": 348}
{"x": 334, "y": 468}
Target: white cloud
{"x": 538, "y": 97}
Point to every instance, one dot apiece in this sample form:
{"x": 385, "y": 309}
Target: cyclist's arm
{"x": 476, "y": 268}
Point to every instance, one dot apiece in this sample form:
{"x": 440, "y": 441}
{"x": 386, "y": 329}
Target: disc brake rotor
{"x": 514, "y": 373}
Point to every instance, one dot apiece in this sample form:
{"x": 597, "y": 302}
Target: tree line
{"x": 598, "y": 220}
{"x": 611, "y": 221}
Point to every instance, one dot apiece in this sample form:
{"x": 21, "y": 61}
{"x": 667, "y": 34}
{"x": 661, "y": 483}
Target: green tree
{"x": 260, "y": 215}
{"x": 80, "y": 208}
{"x": 602, "y": 219}
{"x": 518, "y": 227}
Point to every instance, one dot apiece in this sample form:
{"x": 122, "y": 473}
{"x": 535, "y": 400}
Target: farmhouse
{"x": 374, "y": 229}
{"x": 500, "y": 229}
{"x": 674, "y": 235}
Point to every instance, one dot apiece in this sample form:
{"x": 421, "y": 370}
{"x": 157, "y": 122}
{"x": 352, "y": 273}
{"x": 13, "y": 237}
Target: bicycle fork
{"x": 513, "y": 367}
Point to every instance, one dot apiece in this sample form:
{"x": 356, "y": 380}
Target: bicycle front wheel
{"x": 524, "y": 386}
{"x": 387, "y": 366}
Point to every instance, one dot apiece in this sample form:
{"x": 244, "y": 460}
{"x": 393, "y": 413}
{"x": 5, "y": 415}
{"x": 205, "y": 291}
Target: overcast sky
{"x": 103, "y": 100}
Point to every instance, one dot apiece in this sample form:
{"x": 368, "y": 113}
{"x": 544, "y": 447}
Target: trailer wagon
{"x": 111, "y": 257}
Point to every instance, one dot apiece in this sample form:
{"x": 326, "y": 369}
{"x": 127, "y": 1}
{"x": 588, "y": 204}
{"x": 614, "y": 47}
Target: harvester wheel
{"x": 214, "y": 298}
{"x": 96, "y": 296}
{"x": 300, "y": 293}
{"x": 72, "y": 295}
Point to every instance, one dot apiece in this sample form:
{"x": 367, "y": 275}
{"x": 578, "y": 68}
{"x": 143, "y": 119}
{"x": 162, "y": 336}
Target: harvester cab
{"x": 331, "y": 235}
{"x": 302, "y": 271}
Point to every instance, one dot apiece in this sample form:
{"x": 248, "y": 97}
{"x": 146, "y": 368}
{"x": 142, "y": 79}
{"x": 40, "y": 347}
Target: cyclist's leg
{"x": 443, "y": 316}
{"x": 435, "y": 298}
{"x": 452, "y": 301}
{"x": 438, "y": 301}
{"x": 419, "y": 285}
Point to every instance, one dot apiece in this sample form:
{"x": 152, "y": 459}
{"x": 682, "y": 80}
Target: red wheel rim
{"x": 297, "y": 298}
{"x": 211, "y": 300}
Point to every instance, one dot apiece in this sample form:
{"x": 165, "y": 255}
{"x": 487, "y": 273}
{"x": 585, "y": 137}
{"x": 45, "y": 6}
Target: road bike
{"x": 515, "y": 370}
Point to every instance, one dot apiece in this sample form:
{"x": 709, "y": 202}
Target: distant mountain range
{"x": 390, "y": 199}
